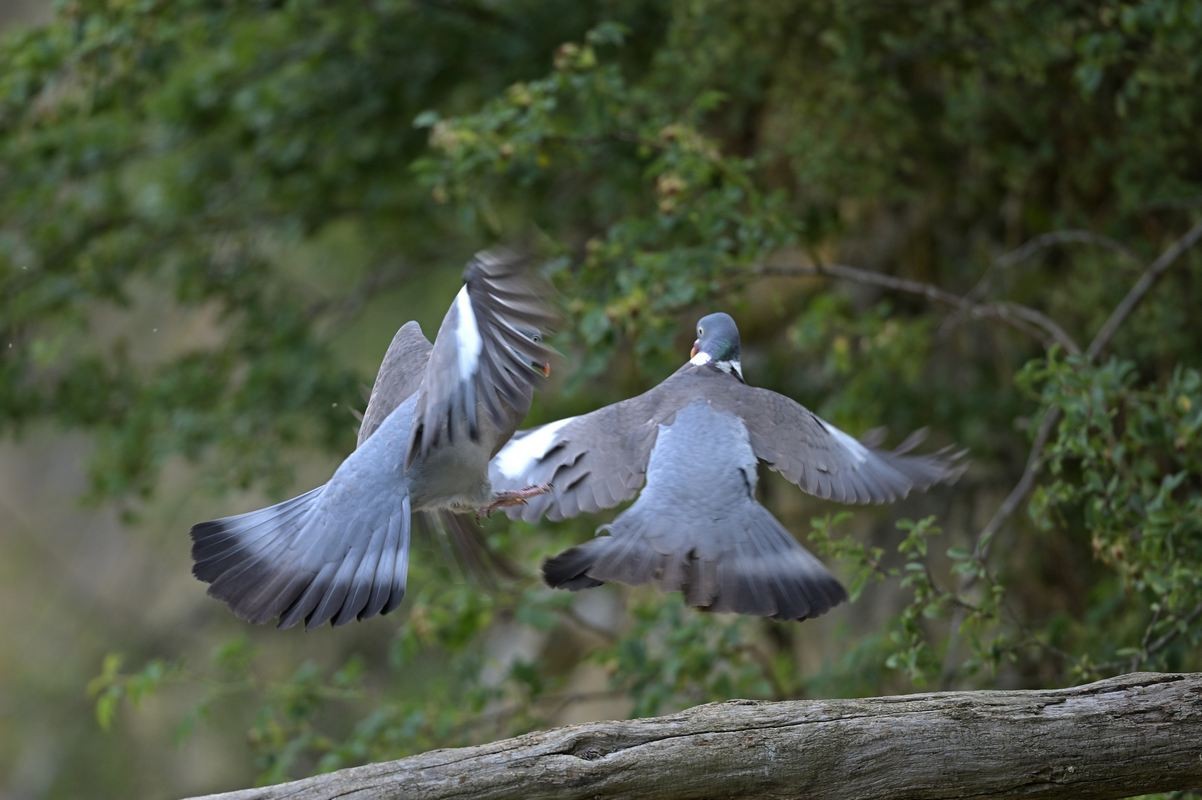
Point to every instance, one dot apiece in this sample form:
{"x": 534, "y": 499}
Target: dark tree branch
{"x": 1058, "y": 238}
{"x": 1141, "y": 288}
{"x": 1017, "y": 495}
{"x": 1038, "y": 244}
{"x": 1022, "y": 318}
{"x": 1130, "y": 735}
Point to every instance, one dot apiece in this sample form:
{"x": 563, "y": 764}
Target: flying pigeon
{"x": 692, "y": 444}
{"x": 436, "y": 415}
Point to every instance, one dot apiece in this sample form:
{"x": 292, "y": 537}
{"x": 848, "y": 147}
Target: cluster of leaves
{"x": 910, "y": 646}
{"x": 672, "y": 657}
{"x": 1125, "y": 469}
{"x": 208, "y": 161}
{"x": 682, "y": 213}
{"x": 177, "y": 156}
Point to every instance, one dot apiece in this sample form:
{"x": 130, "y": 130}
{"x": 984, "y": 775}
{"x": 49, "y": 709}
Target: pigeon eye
{"x": 700, "y": 332}
{"x": 536, "y": 338}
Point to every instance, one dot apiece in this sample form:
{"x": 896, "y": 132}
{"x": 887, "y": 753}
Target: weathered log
{"x": 1129, "y": 735}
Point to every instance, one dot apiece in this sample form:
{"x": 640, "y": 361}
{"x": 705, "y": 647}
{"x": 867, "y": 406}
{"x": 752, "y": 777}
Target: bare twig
{"x": 1141, "y": 289}
{"x": 1022, "y": 318}
{"x": 1042, "y": 242}
{"x": 1057, "y": 238}
{"x": 1147, "y": 640}
{"x": 1149, "y": 649}
{"x": 1167, "y": 638}
{"x": 1018, "y": 494}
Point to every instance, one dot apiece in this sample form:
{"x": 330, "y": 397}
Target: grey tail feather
{"x": 569, "y": 569}
{"x": 748, "y": 564}
{"x": 273, "y": 563}
{"x": 465, "y": 543}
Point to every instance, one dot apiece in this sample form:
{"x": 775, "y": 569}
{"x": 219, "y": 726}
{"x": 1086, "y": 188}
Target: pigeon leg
{"x": 517, "y": 497}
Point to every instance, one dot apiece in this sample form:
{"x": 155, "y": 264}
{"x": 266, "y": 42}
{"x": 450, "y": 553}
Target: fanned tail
{"x": 292, "y": 562}
{"x": 746, "y": 564}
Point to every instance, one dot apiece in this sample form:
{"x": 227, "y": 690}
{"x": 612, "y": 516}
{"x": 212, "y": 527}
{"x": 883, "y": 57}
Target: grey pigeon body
{"x": 436, "y": 416}
{"x": 692, "y": 445}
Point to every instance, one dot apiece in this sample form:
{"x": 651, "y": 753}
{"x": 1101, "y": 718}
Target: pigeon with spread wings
{"x": 692, "y": 445}
{"x": 437, "y": 414}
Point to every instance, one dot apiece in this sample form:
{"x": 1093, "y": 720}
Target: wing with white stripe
{"x": 487, "y": 353}
{"x": 592, "y": 461}
{"x": 598, "y": 460}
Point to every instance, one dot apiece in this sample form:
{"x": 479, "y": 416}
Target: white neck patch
{"x": 730, "y": 367}
{"x": 467, "y": 335}
{"x": 733, "y": 367}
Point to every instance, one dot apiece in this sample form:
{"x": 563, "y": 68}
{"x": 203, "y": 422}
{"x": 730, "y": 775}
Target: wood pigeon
{"x": 692, "y": 444}
{"x": 436, "y": 415}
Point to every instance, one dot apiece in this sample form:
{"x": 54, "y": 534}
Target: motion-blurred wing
{"x": 825, "y": 461}
{"x": 484, "y": 352}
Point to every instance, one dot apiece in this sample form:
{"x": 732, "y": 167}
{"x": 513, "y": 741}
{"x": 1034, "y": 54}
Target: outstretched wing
{"x": 592, "y": 461}
{"x": 400, "y": 375}
{"x": 598, "y": 460}
{"x": 487, "y": 351}
{"x": 825, "y": 461}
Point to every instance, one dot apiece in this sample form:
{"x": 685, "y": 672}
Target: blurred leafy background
{"x": 213, "y": 215}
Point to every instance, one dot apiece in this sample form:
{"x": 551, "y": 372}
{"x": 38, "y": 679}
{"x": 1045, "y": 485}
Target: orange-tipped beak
{"x": 693, "y": 352}
{"x": 547, "y": 369}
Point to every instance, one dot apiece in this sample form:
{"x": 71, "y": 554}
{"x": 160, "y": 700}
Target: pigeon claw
{"x": 514, "y": 497}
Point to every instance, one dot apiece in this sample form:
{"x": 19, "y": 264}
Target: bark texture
{"x": 1129, "y": 735}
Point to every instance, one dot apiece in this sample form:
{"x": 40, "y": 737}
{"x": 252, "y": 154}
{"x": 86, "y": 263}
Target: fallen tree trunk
{"x": 1129, "y": 735}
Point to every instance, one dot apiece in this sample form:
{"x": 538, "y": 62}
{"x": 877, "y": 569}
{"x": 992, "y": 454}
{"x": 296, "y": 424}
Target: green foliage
{"x": 213, "y": 216}
{"x": 111, "y": 685}
{"x": 672, "y": 658}
{"x": 1125, "y": 467}
{"x": 682, "y": 214}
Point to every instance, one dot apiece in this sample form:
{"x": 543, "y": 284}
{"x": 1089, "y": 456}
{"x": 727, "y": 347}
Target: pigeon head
{"x": 717, "y": 343}
{"x": 542, "y": 367}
